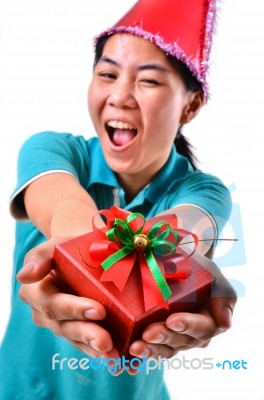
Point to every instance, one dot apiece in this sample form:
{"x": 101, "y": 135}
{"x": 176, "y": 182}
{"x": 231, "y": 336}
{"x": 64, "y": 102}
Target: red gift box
{"x": 130, "y": 288}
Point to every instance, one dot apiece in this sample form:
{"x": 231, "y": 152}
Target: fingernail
{"x": 91, "y": 314}
{"x": 227, "y": 316}
{"x": 27, "y": 268}
{"x": 93, "y": 344}
{"x": 145, "y": 353}
{"x": 158, "y": 339}
{"x": 177, "y": 326}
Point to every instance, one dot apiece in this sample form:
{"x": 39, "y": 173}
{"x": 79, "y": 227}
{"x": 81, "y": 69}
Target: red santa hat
{"x": 181, "y": 28}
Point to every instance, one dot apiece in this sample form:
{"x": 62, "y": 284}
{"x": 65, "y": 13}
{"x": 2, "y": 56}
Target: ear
{"x": 194, "y": 103}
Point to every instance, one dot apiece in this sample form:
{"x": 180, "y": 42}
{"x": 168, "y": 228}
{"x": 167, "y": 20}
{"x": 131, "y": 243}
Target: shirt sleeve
{"x": 44, "y": 153}
{"x": 206, "y": 192}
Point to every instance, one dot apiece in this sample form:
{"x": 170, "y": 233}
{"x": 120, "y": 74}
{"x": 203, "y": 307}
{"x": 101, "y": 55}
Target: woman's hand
{"x": 74, "y": 317}
{"x": 183, "y": 331}
{"x": 66, "y": 315}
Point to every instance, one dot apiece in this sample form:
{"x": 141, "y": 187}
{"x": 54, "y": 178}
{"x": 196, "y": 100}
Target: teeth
{"x": 119, "y": 125}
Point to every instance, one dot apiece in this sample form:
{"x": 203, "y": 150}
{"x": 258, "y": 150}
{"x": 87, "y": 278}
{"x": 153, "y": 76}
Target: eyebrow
{"x": 109, "y": 61}
{"x": 156, "y": 67}
{"x": 144, "y": 67}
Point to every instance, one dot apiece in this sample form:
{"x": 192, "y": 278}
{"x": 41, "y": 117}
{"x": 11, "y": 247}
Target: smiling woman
{"x": 139, "y": 98}
{"x": 125, "y": 95}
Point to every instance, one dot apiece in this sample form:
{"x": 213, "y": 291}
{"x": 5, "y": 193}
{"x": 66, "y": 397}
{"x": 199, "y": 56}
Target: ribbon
{"x": 155, "y": 241}
{"x": 130, "y": 238}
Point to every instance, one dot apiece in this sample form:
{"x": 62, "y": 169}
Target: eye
{"x": 107, "y": 75}
{"x": 150, "y": 82}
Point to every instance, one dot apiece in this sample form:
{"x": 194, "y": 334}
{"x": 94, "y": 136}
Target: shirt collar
{"x": 176, "y": 168}
{"x": 99, "y": 170}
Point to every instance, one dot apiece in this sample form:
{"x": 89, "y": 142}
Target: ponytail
{"x": 192, "y": 84}
{"x": 184, "y": 148}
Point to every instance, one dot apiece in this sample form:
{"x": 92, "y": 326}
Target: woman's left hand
{"x": 184, "y": 330}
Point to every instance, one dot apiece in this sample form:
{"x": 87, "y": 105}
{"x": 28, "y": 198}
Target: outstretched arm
{"x": 60, "y": 208}
{"x": 58, "y": 205}
{"x": 182, "y": 331}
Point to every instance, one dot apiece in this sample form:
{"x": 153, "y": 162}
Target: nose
{"x": 122, "y": 94}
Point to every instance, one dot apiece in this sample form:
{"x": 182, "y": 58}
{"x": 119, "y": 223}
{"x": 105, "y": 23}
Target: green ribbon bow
{"x": 154, "y": 242}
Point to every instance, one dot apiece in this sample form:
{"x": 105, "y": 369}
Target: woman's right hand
{"x": 69, "y": 316}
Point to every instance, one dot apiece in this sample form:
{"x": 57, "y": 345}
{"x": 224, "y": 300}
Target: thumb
{"x": 222, "y": 303}
{"x": 38, "y": 262}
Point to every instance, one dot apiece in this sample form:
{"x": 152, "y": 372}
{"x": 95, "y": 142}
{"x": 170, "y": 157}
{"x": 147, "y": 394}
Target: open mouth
{"x": 120, "y": 133}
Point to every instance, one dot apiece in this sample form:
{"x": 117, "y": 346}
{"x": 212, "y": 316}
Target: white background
{"x": 45, "y": 66}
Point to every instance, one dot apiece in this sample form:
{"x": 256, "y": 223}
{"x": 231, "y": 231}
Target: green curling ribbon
{"x": 155, "y": 242}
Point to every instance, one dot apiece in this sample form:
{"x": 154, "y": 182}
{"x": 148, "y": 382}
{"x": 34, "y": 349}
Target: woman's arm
{"x": 197, "y": 221}
{"x": 180, "y": 331}
{"x": 183, "y": 331}
{"x": 58, "y": 205}
{"x": 60, "y": 208}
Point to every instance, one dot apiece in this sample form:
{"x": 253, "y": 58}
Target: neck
{"x": 132, "y": 185}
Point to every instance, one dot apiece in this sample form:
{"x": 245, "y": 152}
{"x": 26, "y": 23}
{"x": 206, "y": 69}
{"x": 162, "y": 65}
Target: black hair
{"x": 192, "y": 84}
{"x": 99, "y": 48}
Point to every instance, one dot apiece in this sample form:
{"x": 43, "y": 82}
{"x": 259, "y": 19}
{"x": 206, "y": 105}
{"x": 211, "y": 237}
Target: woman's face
{"x": 136, "y": 101}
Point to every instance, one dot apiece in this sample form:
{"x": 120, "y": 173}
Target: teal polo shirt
{"x": 175, "y": 184}
{"x": 26, "y": 351}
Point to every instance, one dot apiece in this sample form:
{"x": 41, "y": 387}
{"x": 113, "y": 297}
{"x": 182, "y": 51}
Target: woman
{"x": 138, "y": 99}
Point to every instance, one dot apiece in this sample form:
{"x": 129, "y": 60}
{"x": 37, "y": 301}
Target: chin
{"x": 122, "y": 167}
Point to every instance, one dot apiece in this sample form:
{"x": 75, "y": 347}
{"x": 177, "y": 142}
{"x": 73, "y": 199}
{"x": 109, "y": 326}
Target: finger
{"x": 84, "y": 348}
{"x": 132, "y": 371}
{"x": 38, "y": 261}
{"x": 136, "y": 367}
{"x": 112, "y": 362}
{"x": 45, "y": 297}
{"x": 223, "y": 296}
{"x": 160, "y": 334}
{"x": 62, "y": 306}
{"x": 90, "y": 334}
{"x": 109, "y": 360}
{"x": 197, "y": 326}
{"x": 142, "y": 349}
